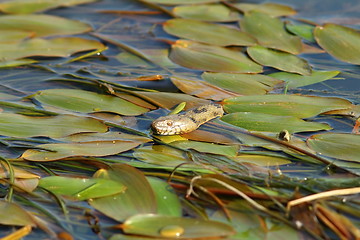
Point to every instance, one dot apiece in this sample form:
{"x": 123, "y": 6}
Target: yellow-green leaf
{"x": 12, "y": 214}
{"x": 271, "y": 9}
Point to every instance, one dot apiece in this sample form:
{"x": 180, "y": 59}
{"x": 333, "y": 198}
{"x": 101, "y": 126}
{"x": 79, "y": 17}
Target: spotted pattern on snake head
{"x": 187, "y": 121}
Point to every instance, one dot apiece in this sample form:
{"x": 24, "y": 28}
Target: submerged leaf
{"x": 210, "y": 33}
{"x": 341, "y": 42}
{"x": 201, "y": 89}
{"x": 270, "y": 32}
{"x": 254, "y": 121}
{"x": 55, "y": 151}
{"x": 207, "y": 12}
{"x": 271, "y": 9}
{"x": 32, "y": 6}
{"x": 41, "y": 25}
{"x": 337, "y": 145}
{"x": 295, "y": 80}
{"x": 16, "y": 125}
{"x": 56, "y": 47}
{"x": 293, "y": 105}
{"x": 138, "y": 197}
{"x": 81, "y": 188}
{"x": 175, "y": 227}
{"x": 211, "y": 58}
{"x": 244, "y": 84}
{"x": 87, "y": 102}
{"x": 279, "y": 60}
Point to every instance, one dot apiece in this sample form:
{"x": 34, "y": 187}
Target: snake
{"x": 186, "y": 121}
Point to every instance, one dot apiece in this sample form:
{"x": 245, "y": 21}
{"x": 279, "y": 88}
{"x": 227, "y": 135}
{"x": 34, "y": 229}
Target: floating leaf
{"x": 302, "y": 30}
{"x": 279, "y": 60}
{"x": 32, "y": 6}
{"x": 157, "y": 56}
{"x": 56, "y": 47}
{"x": 270, "y": 32}
{"x": 295, "y": 80}
{"x": 254, "y": 121}
{"x": 211, "y": 58}
{"x": 210, "y": 33}
{"x": 341, "y": 42}
{"x": 207, "y": 12}
{"x": 41, "y": 25}
{"x": 261, "y": 160}
{"x": 12, "y": 214}
{"x": 294, "y": 105}
{"x": 337, "y": 145}
{"x": 156, "y": 226}
{"x": 271, "y": 9}
{"x": 10, "y": 36}
{"x": 108, "y": 136}
{"x": 81, "y": 188}
{"x": 87, "y": 102}
{"x": 227, "y": 150}
{"x": 16, "y": 125}
{"x": 51, "y": 152}
{"x": 201, "y": 89}
{"x": 244, "y": 84}
{"x": 178, "y": 2}
{"x": 167, "y": 200}
{"x": 138, "y": 197}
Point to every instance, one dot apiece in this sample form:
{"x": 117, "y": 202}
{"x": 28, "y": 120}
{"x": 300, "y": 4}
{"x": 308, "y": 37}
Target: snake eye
{"x": 169, "y": 123}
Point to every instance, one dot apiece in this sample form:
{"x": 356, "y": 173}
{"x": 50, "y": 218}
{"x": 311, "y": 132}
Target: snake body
{"x": 187, "y": 121}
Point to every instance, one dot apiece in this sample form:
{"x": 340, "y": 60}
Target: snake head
{"x": 168, "y": 125}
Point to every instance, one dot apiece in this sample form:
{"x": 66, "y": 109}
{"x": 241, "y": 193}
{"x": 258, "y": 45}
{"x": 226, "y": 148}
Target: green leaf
{"x": 341, "y": 42}
{"x": 10, "y": 36}
{"x": 302, "y": 30}
{"x": 261, "y": 160}
{"x": 207, "y": 12}
{"x": 254, "y": 121}
{"x": 32, "y": 6}
{"x": 87, "y": 102}
{"x": 280, "y": 60}
{"x": 227, "y": 150}
{"x": 293, "y": 105}
{"x": 271, "y": 9}
{"x": 344, "y": 146}
{"x": 56, "y": 47}
{"x": 178, "y": 2}
{"x": 210, "y": 33}
{"x": 244, "y": 84}
{"x": 295, "y": 80}
{"x": 14, "y": 215}
{"x": 42, "y": 25}
{"x": 211, "y": 58}
{"x": 175, "y": 227}
{"x": 81, "y": 188}
{"x": 270, "y": 32}
{"x": 56, "y": 151}
{"x": 16, "y": 125}
{"x": 137, "y": 199}
{"x": 168, "y": 202}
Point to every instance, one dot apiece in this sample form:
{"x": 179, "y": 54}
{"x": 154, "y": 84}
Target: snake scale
{"x": 187, "y": 121}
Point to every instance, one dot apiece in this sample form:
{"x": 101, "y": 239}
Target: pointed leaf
{"x": 279, "y": 60}
{"x": 244, "y": 84}
{"x": 175, "y": 227}
{"x": 138, "y": 197}
{"x": 42, "y": 25}
{"x": 302, "y": 30}
{"x": 87, "y": 102}
{"x": 341, "y": 42}
{"x": 209, "y": 33}
{"x": 227, "y": 150}
{"x": 12, "y": 214}
{"x": 56, "y": 151}
{"x": 56, "y": 47}
{"x": 271, "y": 9}
{"x": 254, "y": 121}
{"x": 337, "y": 145}
{"x": 211, "y": 58}
{"x": 270, "y": 32}
{"x": 81, "y": 188}
{"x": 295, "y": 80}
{"x": 207, "y": 12}
{"x": 16, "y": 125}
{"x": 294, "y": 105}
